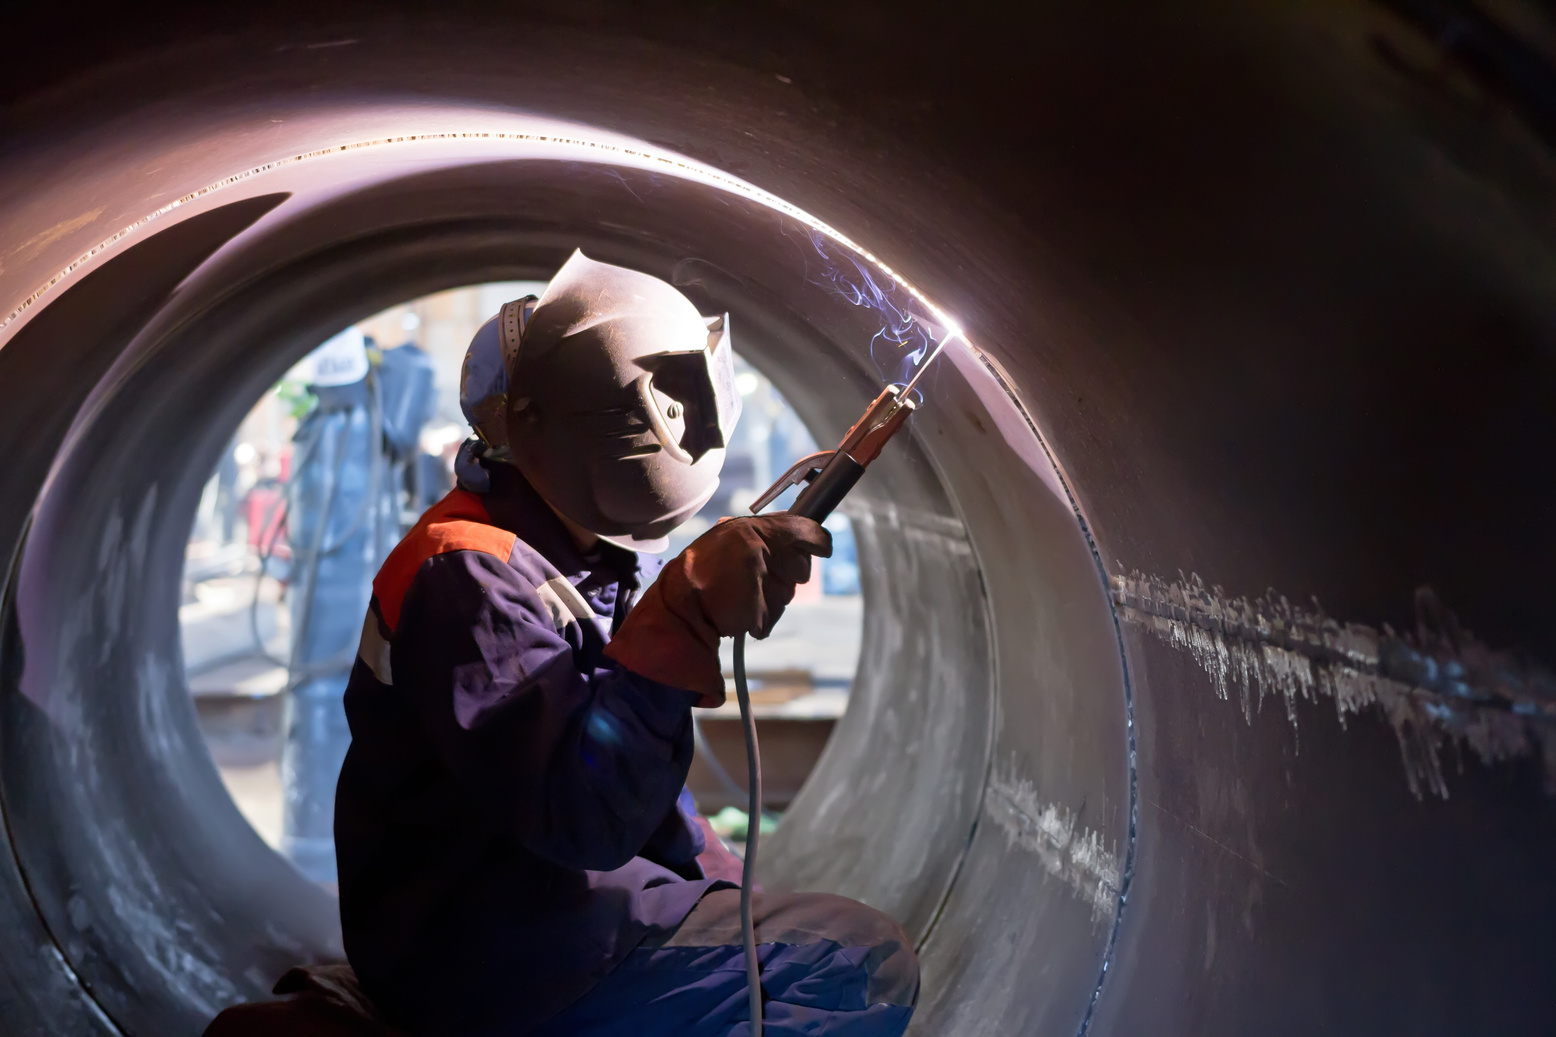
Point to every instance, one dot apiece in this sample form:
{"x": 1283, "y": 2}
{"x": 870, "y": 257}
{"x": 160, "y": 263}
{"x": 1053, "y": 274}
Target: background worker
{"x": 516, "y": 852}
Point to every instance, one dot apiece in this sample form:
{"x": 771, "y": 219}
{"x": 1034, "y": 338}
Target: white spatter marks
{"x": 1068, "y": 851}
{"x": 1436, "y": 685}
{"x": 121, "y": 890}
{"x": 53, "y": 956}
{"x": 172, "y": 949}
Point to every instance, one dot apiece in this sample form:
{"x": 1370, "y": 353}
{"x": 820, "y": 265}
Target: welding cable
{"x": 753, "y": 832}
{"x": 815, "y": 502}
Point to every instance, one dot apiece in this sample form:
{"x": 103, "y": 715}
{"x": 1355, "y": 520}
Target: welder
{"x": 516, "y": 850}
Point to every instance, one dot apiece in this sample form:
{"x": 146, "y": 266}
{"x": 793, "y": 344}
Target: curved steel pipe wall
{"x": 1278, "y": 327}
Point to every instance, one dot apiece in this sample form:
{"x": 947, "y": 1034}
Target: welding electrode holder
{"x": 830, "y": 474}
{"x": 828, "y": 488}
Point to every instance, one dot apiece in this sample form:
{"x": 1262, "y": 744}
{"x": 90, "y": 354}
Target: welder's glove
{"x": 734, "y": 579}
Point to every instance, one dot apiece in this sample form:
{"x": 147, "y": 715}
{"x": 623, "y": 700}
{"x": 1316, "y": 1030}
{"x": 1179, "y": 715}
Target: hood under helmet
{"x": 611, "y": 394}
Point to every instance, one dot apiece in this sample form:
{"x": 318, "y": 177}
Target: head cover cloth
{"x": 611, "y": 394}
{"x": 483, "y": 392}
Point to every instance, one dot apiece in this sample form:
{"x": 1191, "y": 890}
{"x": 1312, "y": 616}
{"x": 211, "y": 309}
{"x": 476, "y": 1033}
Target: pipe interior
{"x": 165, "y": 903}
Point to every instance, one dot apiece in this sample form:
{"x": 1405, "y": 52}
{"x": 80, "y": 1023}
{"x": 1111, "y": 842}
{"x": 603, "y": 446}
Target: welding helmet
{"x": 615, "y": 399}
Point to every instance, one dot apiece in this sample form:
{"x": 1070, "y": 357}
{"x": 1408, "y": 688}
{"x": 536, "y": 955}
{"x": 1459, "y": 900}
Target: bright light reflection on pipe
{"x": 567, "y": 140}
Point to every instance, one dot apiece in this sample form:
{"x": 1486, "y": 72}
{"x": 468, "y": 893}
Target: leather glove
{"x": 734, "y": 579}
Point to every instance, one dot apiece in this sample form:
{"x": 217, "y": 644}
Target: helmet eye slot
{"x": 682, "y": 394}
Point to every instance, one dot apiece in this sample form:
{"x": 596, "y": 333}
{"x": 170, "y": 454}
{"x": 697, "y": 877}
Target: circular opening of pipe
{"x": 159, "y": 895}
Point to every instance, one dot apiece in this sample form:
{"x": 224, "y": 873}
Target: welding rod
{"x": 907, "y": 390}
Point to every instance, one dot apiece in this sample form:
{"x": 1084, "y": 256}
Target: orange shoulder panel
{"x": 458, "y": 522}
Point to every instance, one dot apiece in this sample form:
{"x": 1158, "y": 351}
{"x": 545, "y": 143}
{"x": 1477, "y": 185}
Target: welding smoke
{"x": 905, "y": 337}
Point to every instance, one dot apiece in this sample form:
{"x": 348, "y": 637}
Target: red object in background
{"x": 263, "y": 507}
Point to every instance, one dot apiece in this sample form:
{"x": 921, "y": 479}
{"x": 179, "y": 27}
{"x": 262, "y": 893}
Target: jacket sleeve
{"x": 579, "y": 767}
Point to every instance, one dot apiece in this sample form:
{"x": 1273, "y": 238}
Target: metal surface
{"x": 1274, "y": 284}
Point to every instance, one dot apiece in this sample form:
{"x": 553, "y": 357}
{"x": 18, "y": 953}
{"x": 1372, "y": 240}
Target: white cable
{"x": 753, "y": 828}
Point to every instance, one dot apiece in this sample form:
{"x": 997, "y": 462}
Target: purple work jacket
{"x": 509, "y": 822}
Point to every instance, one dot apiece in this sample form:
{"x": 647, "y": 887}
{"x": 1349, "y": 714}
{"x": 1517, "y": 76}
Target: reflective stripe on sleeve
{"x": 563, "y": 602}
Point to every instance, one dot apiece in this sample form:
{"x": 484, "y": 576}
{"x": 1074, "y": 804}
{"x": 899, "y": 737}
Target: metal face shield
{"x": 618, "y": 403}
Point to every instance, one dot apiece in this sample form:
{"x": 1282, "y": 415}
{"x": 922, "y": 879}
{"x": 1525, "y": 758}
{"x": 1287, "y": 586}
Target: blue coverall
{"x": 516, "y": 854}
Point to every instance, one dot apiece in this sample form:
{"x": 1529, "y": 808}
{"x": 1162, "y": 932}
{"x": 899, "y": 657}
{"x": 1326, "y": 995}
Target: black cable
{"x": 265, "y": 551}
{"x": 753, "y": 830}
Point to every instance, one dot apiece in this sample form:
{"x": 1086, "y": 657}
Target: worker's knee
{"x": 800, "y": 919}
{"x": 894, "y": 971}
{"x": 891, "y": 964}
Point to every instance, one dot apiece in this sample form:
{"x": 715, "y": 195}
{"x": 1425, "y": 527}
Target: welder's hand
{"x": 734, "y": 579}
{"x": 743, "y": 571}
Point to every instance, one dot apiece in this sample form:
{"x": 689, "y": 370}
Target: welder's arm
{"x": 678, "y": 842}
{"x": 581, "y": 767}
{"x": 734, "y": 579}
